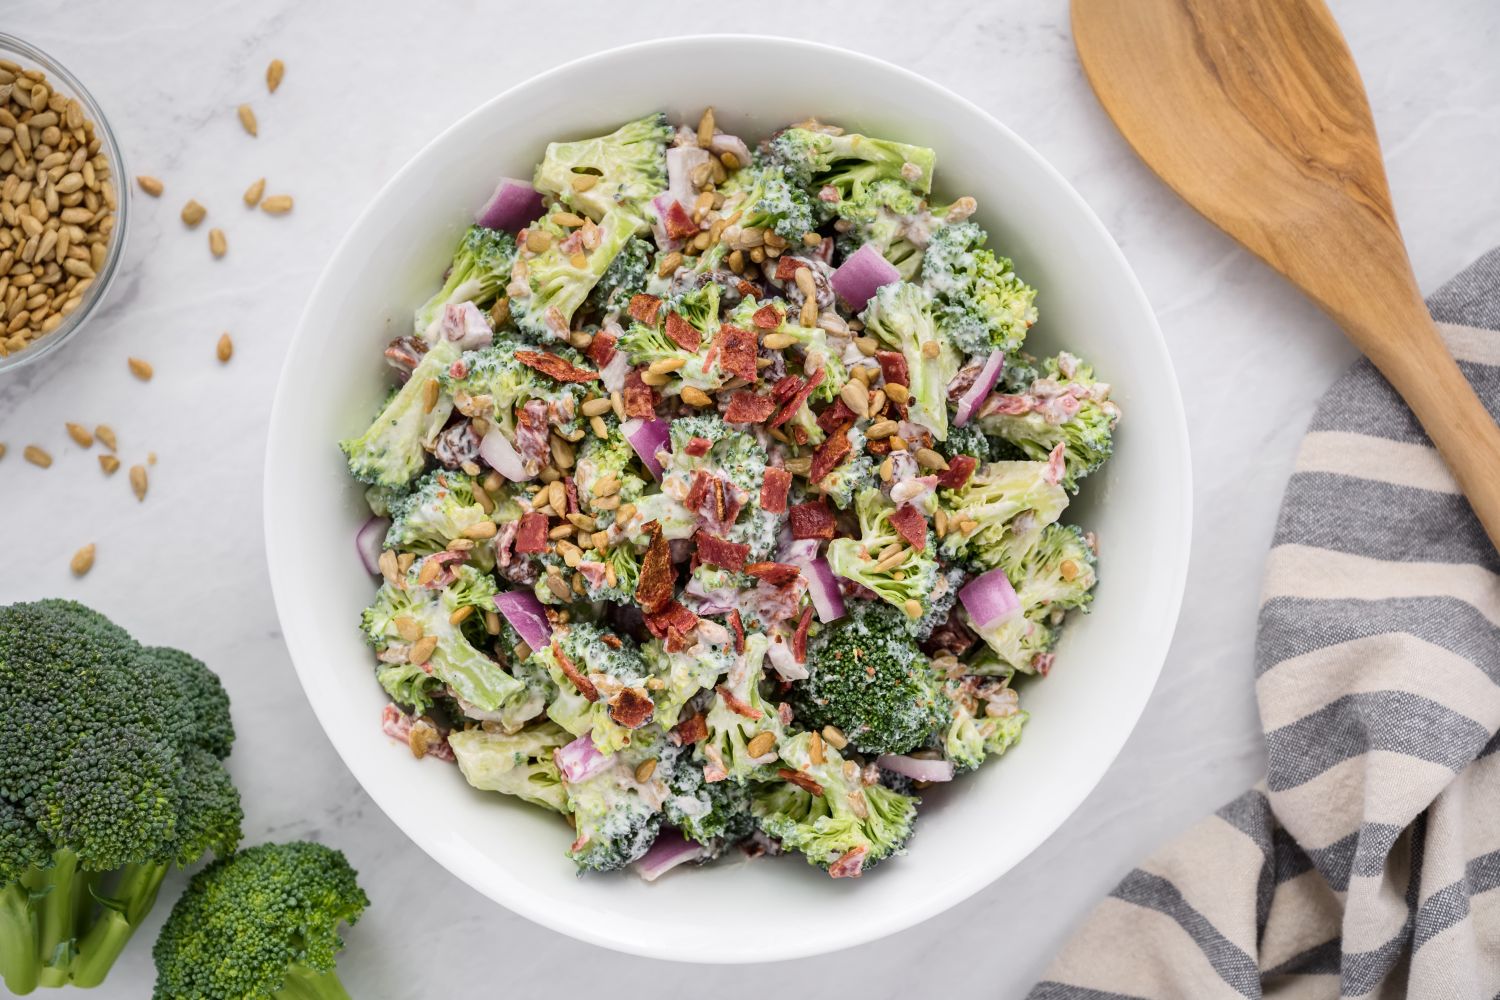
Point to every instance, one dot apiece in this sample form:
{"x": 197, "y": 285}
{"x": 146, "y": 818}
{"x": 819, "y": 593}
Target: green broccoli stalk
{"x": 978, "y": 300}
{"x": 262, "y": 925}
{"x": 440, "y": 508}
{"x": 900, "y": 316}
{"x": 518, "y": 764}
{"x": 608, "y": 667}
{"x": 1063, "y": 405}
{"x": 985, "y": 719}
{"x": 626, "y": 276}
{"x": 629, "y": 166}
{"x": 1051, "y": 575}
{"x": 738, "y": 714}
{"x": 551, "y": 282}
{"x": 481, "y": 267}
{"x": 110, "y": 774}
{"x": 817, "y": 159}
{"x": 1000, "y": 511}
{"x": 393, "y": 450}
{"x": 867, "y": 677}
{"x": 767, "y": 200}
{"x": 840, "y": 823}
{"x": 882, "y": 560}
{"x": 645, "y": 345}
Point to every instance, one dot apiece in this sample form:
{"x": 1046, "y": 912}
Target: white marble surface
{"x": 367, "y": 83}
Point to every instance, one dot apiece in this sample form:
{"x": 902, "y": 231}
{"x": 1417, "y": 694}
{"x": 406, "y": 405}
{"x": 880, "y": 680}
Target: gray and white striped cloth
{"x": 1367, "y": 863}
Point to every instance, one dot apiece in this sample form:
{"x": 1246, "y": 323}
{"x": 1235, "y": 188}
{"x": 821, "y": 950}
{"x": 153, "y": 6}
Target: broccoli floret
{"x": 1000, "y": 511}
{"x": 892, "y": 218}
{"x": 110, "y": 774}
{"x": 985, "y": 719}
{"x": 492, "y": 376}
{"x": 619, "y": 573}
{"x": 769, "y": 201}
{"x": 1063, "y": 405}
{"x": 625, "y": 277}
{"x": 715, "y": 814}
{"x": 737, "y": 715}
{"x": 845, "y": 826}
{"x": 382, "y": 498}
{"x": 610, "y": 664}
{"x": 977, "y": 299}
{"x": 867, "y": 676}
{"x": 857, "y": 472}
{"x": 905, "y": 583}
{"x": 645, "y": 345}
{"x": 816, "y": 159}
{"x": 683, "y": 674}
{"x": 393, "y": 451}
{"x": 735, "y": 454}
{"x": 518, "y": 764}
{"x": 262, "y": 925}
{"x": 608, "y": 463}
{"x": 1051, "y": 575}
{"x": 938, "y": 605}
{"x": 481, "y": 266}
{"x": 557, "y": 268}
{"x": 440, "y": 508}
{"x": 629, "y": 166}
{"x": 968, "y": 440}
{"x": 900, "y": 316}
{"x": 615, "y": 821}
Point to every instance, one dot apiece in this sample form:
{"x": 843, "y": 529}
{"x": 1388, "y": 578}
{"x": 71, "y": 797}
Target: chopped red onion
{"x": 580, "y": 760}
{"x": 514, "y": 205}
{"x": 647, "y": 437}
{"x": 499, "y": 454}
{"x": 784, "y": 662}
{"x": 723, "y": 142}
{"x": 681, "y": 162}
{"x": 613, "y": 374}
{"x": 988, "y": 376}
{"x": 670, "y": 850}
{"x": 465, "y": 325}
{"x": 822, "y": 585}
{"x": 658, "y": 213}
{"x": 526, "y": 616}
{"x": 369, "y": 540}
{"x": 861, "y": 274}
{"x": 917, "y": 768}
{"x": 989, "y": 598}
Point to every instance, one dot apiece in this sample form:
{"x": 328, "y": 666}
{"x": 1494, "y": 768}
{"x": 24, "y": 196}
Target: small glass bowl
{"x": 61, "y": 81}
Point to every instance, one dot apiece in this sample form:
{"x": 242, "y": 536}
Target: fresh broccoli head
{"x": 817, "y": 159}
{"x": 900, "y": 316}
{"x": 558, "y": 267}
{"x": 830, "y": 814}
{"x": 110, "y": 774}
{"x": 844, "y": 483}
{"x": 769, "y": 201}
{"x": 1000, "y": 511}
{"x": 609, "y": 466}
{"x": 684, "y": 673}
{"x": 440, "y": 508}
{"x": 1064, "y": 405}
{"x": 985, "y": 719}
{"x": 872, "y": 559}
{"x": 1051, "y": 575}
{"x": 481, "y": 267}
{"x": 518, "y": 764}
{"x": 262, "y": 925}
{"x": 610, "y": 666}
{"x": 977, "y": 299}
{"x": 867, "y": 677}
{"x": 625, "y": 278}
{"x": 393, "y": 450}
{"x": 629, "y": 166}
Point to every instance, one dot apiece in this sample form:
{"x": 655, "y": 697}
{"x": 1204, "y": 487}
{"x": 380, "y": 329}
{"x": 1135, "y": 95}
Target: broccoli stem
{"x": 303, "y": 983}
{"x": 132, "y": 898}
{"x": 64, "y": 901}
{"x": 19, "y": 966}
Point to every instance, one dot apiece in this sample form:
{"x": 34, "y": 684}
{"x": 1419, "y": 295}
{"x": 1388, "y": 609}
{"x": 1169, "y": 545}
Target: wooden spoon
{"x": 1253, "y": 111}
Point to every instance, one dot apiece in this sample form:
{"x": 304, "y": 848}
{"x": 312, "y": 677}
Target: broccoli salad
{"x": 717, "y": 502}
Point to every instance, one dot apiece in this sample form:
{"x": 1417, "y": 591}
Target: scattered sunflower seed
{"x": 36, "y": 456}
{"x": 83, "y": 560}
{"x": 192, "y": 214}
{"x": 247, "y": 119}
{"x": 138, "y": 481}
{"x": 255, "y": 191}
{"x": 274, "y": 72}
{"x": 140, "y": 369}
{"x": 150, "y": 185}
{"x": 225, "y": 348}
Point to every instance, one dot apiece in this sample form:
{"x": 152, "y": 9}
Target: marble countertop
{"x": 366, "y": 85}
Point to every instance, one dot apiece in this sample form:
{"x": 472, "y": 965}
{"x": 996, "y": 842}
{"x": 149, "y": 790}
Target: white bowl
{"x": 967, "y": 834}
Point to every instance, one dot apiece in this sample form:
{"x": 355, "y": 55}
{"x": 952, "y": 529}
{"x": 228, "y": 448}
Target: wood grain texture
{"x": 1253, "y": 111}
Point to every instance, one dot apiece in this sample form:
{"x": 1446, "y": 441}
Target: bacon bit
{"x": 811, "y": 520}
{"x": 775, "y": 573}
{"x": 719, "y": 552}
{"x": 746, "y": 289}
{"x": 793, "y": 404}
{"x": 698, "y": 491}
{"x": 799, "y": 637}
{"x": 677, "y": 640}
{"x": 611, "y": 640}
{"x": 1042, "y": 663}
{"x": 960, "y": 468}
{"x": 829, "y": 456}
{"x": 583, "y": 684}
{"x": 851, "y": 865}
{"x": 786, "y": 387}
{"x": 673, "y": 616}
{"x": 395, "y": 723}
{"x": 836, "y": 418}
{"x": 555, "y": 367}
{"x": 767, "y": 317}
{"x": 737, "y": 706}
{"x": 697, "y": 446}
{"x": 682, "y": 333}
{"x": 640, "y": 398}
{"x": 602, "y": 348}
{"x": 531, "y": 536}
{"x": 571, "y": 489}
{"x": 1055, "y": 464}
{"x": 803, "y": 781}
{"x": 643, "y": 308}
{"x": 893, "y": 367}
{"x": 737, "y": 625}
{"x": 737, "y": 350}
{"x": 746, "y": 407}
{"x": 458, "y": 369}
{"x": 653, "y": 591}
{"x": 911, "y": 525}
{"x": 678, "y": 224}
{"x": 631, "y": 708}
{"x": 786, "y": 268}
{"x": 784, "y": 713}
{"x": 774, "y": 489}
{"x": 689, "y": 731}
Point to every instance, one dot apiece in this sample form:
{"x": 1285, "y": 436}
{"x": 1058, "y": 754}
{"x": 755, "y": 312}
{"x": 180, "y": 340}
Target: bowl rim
{"x": 44, "y": 345}
{"x": 534, "y": 907}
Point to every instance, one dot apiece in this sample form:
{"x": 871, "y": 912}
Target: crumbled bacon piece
{"x": 773, "y": 490}
{"x": 673, "y": 616}
{"x": 570, "y": 488}
{"x": 811, "y": 520}
{"x": 796, "y": 398}
{"x": 737, "y": 349}
{"x": 678, "y": 224}
{"x": 583, "y": 684}
{"x": 835, "y": 418}
{"x": 697, "y": 446}
{"x": 829, "y": 455}
{"x": 677, "y": 640}
{"x": 682, "y": 333}
{"x": 631, "y": 707}
{"x": 802, "y": 780}
{"x": 746, "y": 289}
{"x": 850, "y": 865}
{"x": 737, "y": 706}
{"x": 555, "y": 367}
{"x": 640, "y": 398}
{"x": 737, "y": 625}
{"x": 746, "y": 407}
{"x": 716, "y": 551}
{"x": 893, "y": 367}
{"x": 775, "y": 573}
{"x": 602, "y": 348}
{"x": 911, "y": 525}
{"x": 799, "y": 637}
{"x": 767, "y": 317}
{"x": 531, "y": 536}
{"x": 653, "y": 591}
{"x": 643, "y": 308}
{"x": 786, "y": 268}
{"x": 689, "y": 731}
{"x": 960, "y": 468}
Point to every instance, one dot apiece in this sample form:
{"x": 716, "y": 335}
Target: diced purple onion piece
{"x": 514, "y": 206}
{"x": 499, "y": 454}
{"x": 861, "y": 274}
{"x": 969, "y": 402}
{"x": 989, "y": 598}
{"x": 369, "y": 540}
{"x": 681, "y": 162}
{"x": 670, "y": 850}
{"x": 466, "y": 326}
{"x": 526, "y": 616}
{"x": 580, "y": 760}
{"x": 780, "y": 656}
{"x": 917, "y": 768}
{"x": 647, "y": 437}
{"x": 723, "y": 142}
{"x": 658, "y": 214}
{"x": 823, "y": 588}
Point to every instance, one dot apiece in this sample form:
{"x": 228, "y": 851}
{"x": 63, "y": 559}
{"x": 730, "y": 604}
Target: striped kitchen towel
{"x": 1367, "y": 863}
